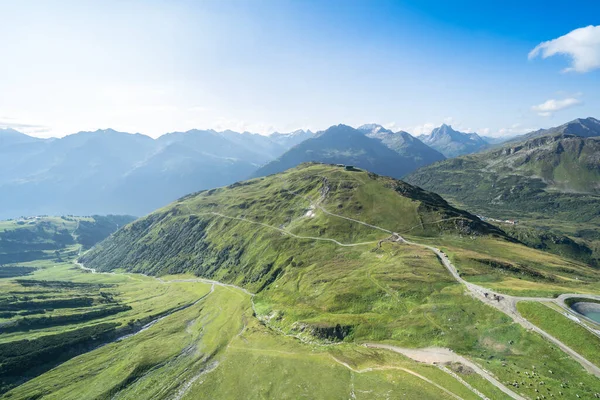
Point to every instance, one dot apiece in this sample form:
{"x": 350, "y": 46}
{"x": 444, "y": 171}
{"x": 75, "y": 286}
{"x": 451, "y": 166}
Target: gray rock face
{"x": 452, "y": 143}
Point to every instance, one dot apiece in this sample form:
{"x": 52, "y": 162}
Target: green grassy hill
{"x": 550, "y": 183}
{"x": 34, "y": 238}
{"x": 318, "y": 275}
{"x": 243, "y": 232}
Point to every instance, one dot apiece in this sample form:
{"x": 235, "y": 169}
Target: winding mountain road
{"x": 507, "y": 304}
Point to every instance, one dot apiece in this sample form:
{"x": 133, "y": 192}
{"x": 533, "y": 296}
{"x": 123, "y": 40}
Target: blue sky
{"x": 161, "y": 66}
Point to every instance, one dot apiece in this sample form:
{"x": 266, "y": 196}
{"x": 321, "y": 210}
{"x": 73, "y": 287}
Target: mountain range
{"x": 404, "y": 144}
{"x": 550, "y": 182}
{"x": 452, "y": 143}
{"x": 509, "y": 177}
{"x": 309, "y": 282}
{"x": 369, "y": 147}
{"x": 107, "y": 171}
{"x": 584, "y": 127}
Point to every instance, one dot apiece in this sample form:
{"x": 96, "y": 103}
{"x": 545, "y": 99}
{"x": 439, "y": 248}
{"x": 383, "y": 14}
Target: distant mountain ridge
{"x": 584, "y": 127}
{"x": 551, "y": 181}
{"x": 292, "y": 138}
{"x": 404, "y": 144}
{"x": 547, "y": 163}
{"x": 342, "y": 144}
{"x": 452, "y": 143}
{"x": 106, "y": 171}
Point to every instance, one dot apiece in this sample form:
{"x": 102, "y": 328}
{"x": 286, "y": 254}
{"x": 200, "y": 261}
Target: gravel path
{"x": 508, "y": 305}
{"x": 438, "y": 355}
{"x": 362, "y": 371}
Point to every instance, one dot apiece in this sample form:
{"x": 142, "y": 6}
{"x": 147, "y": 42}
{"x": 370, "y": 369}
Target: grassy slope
{"x": 251, "y": 359}
{"x": 549, "y": 184}
{"x": 572, "y": 334}
{"x": 139, "y": 299}
{"x": 396, "y": 293}
{"x": 32, "y": 238}
{"x": 146, "y": 296}
{"x": 300, "y": 371}
{"x": 186, "y": 236}
{"x": 515, "y": 269}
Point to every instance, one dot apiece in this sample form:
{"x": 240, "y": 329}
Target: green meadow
{"x": 324, "y": 287}
{"x": 567, "y": 331}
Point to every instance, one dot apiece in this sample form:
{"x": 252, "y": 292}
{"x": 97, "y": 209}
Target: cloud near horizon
{"x": 581, "y": 45}
{"x": 11, "y": 123}
{"x": 547, "y": 108}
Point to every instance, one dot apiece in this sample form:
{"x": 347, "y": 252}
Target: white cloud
{"x": 423, "y": 129}
{"x": 449, "y": 120}
{"x": 550, "y": 106}
{"x": 221, "y": 124}
{"x": 24, "y": 127}
{"x": 392, "y": 126}
{"x": 514, "y": 130}
{"x": 581, "y": 45}
{"x": 426, "y": 128}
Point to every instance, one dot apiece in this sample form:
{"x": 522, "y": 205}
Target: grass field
{"x": 569, "y": 332}
{"x": 52, "y": 237}
{"x": 301, "y": 371}
{"x": 59, "y": 309}
{"x": 317, "y": 301}
{"x": 512, "y": 268}
{"x": 216, "y": 349}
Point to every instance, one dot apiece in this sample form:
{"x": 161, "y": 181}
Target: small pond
{"x": 590, "y": 310}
